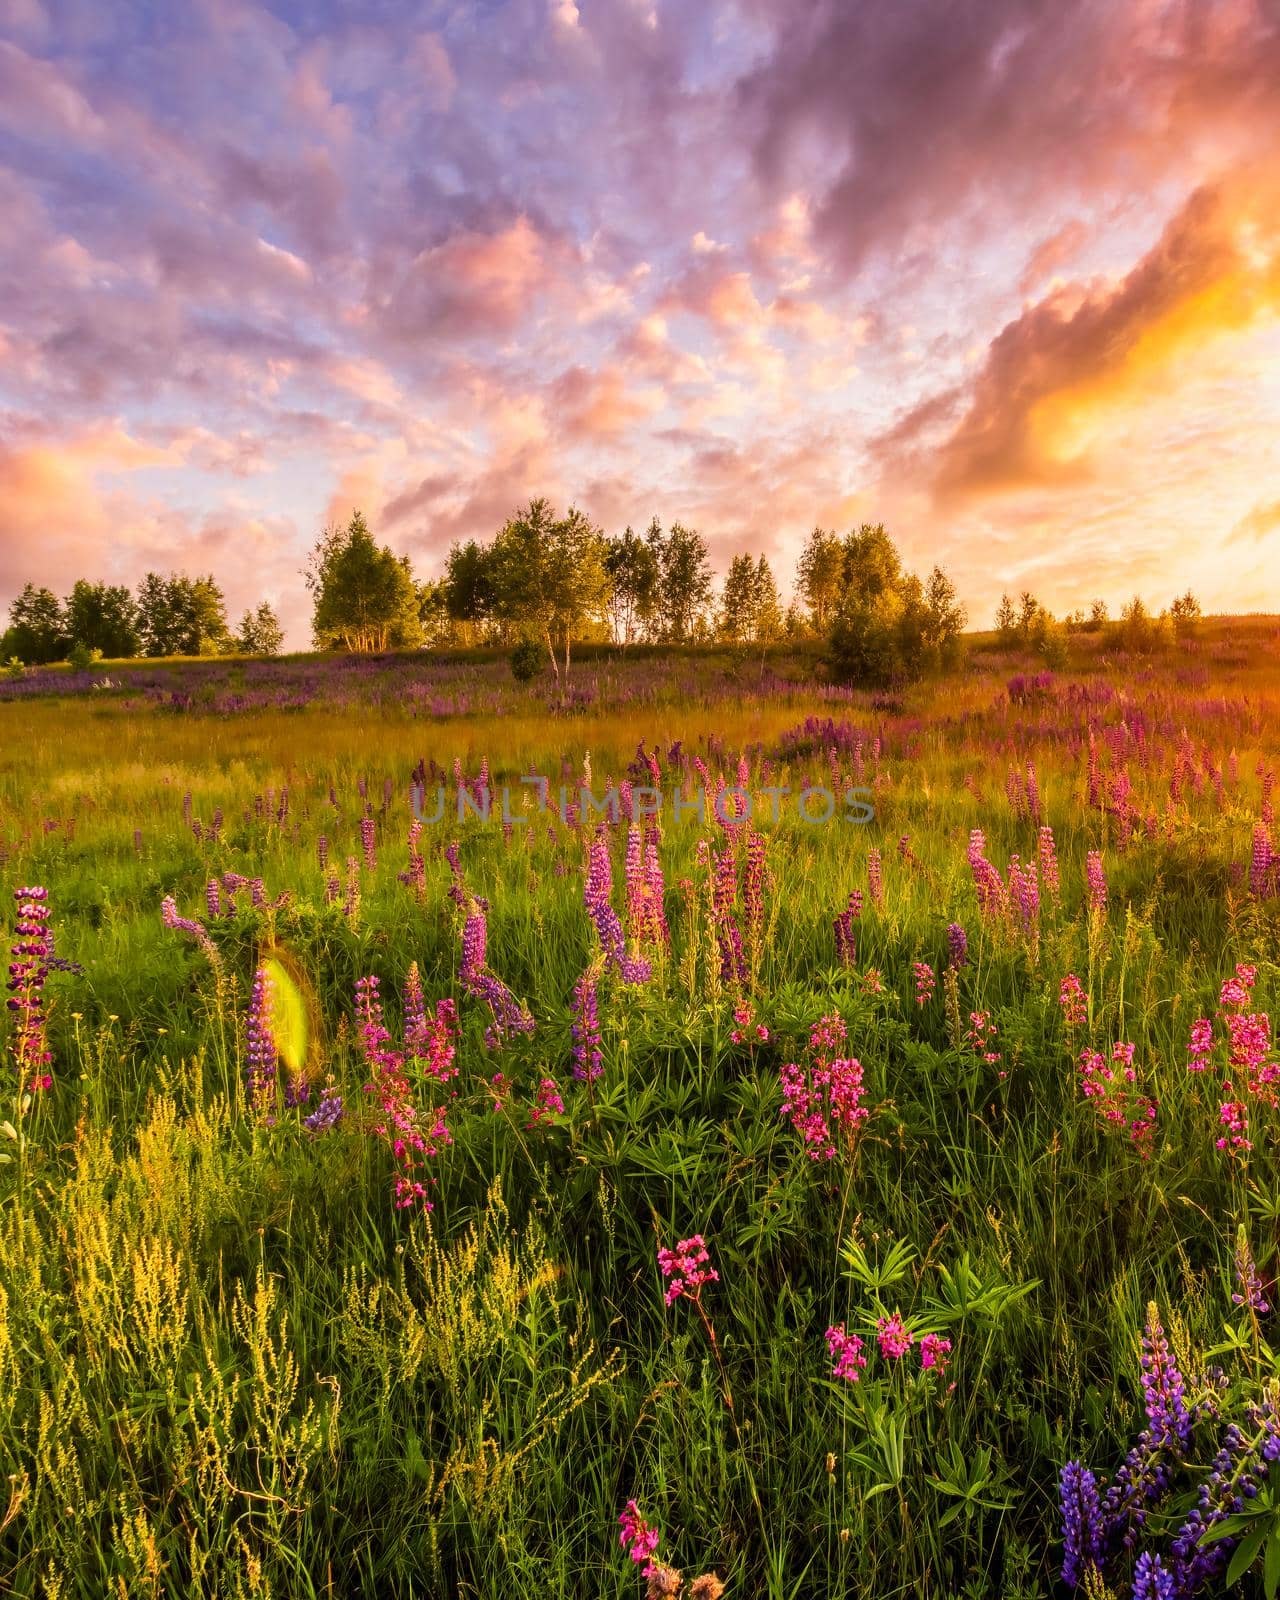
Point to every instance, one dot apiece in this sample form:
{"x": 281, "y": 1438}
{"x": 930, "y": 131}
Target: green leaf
{"x": 1247, "y": 1552}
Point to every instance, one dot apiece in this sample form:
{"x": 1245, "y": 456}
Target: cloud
{"x": 1059, "y": 373}
{"x": 1258, "y": 524}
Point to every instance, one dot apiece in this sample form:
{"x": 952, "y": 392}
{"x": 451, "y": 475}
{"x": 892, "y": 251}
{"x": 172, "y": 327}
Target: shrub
{"x": 527, "y": 661}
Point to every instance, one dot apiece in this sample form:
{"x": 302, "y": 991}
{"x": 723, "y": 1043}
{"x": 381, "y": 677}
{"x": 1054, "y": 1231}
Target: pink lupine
{"x": 32, "y": 952}
{"x": 875, "y": 878}
{"x": 934, "y": 1352}
{"x": 1072, "y": 999}
{"x": 1097, "y": 881}
{"x": 261, "y": 1058}
{"x": 925, "y": 981}
{"x": 368, "y": 833}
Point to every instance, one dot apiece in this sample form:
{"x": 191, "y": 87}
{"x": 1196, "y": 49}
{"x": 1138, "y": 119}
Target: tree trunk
{"x": 551, "y": 651}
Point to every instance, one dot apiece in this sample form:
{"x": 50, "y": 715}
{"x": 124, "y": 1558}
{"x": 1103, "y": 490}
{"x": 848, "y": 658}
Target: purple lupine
{"x": 753, "y": 893}
{"x": 1081, "y": 1522}
{"x": 326, "y": 1115}
{"x": 322, "y": 852}
{"x": 32, "y": 953}
{"x": 987, "y": 881}
{"x": 509, "y": 1015}
{"x": 957, "y": 946}
{"x": 1152, "y": 1580}
{"x": 415, "y": 1010}
{"x": 261, "y": 1056}
{"x": 1163, "y": 1388}
{"x": 845, "y": 930}
{"x": 724, "y": 894}
{"x": 169, "y": 916}
{"x": 584, "y": 1030}
{"x": 213, "y": 899}
{"x": 1260, "y": 861}
{"x": 597, "y": 898}
{"x": 368, "y": 832}
{"x": 1250, "y": 1292}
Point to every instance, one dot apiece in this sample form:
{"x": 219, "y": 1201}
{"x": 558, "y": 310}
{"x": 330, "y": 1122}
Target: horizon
{"x": 1007, "y": 286}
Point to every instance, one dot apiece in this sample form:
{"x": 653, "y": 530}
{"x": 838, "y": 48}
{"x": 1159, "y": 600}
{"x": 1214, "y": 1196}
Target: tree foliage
{"x": 260, "y": 632}
{"x": 363, "y": 595}
{"x": 888, "y": 627}
{"x": 820, "y": 576}
{"x": 103, "y": 617}
{"x": 549, "y": 577}
{"x": 37, "y": 631}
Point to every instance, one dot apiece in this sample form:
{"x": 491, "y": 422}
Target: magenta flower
{"x": 261, "y": 1058}
{"x": 637, "y": 1538}
{"x": 687, "y": 1267}
{"x": 924, "y": 979}
{"x": 1071, "y": 997}
{"x": 934, "y": 1352}
{"x": 846, "y": 1352}
{"x": 894, "y": 1336}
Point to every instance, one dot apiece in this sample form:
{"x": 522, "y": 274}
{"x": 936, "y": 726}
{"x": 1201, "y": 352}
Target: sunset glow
{"x": 1003, "y": 277}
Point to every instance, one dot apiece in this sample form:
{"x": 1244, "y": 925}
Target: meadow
{"x": 611, "y": 1204}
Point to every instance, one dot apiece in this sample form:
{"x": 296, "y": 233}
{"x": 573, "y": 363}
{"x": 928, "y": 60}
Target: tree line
{"x": 547, "y": 579}
{"x": 171, "y": 615}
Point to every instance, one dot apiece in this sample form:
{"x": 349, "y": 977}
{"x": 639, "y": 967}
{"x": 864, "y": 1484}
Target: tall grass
{"x": 229, "y": 1365}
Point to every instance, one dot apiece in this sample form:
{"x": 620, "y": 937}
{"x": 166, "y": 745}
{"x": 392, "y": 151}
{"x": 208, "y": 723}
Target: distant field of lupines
{"x": 453, "y": 1149}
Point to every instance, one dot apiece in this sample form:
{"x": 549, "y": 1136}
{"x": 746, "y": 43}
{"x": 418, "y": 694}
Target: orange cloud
{"x": 1069, "y": 368}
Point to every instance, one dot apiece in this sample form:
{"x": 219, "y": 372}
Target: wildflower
{"x": 169, "y": 916}
{"x": 32, "y": 957}
{"x": 957, "y": 945}
{"x": 261, "y": 1057}
{"x": 1200, "y": 1046}
{"x": 1071, "y": 997}
{"x": 894, "y": 1336}
{"x": 1082, "y": 1533}
{"x": 980, "y": 1036}
{"x": 637, "y": 1538}
{"x": 1250, "y": 1292}
{"x": 846, "y": 941}
{"x": 828, "y": 1092}
{"x": 1152, "y": 1580}
{"x": 548, "y": 1104}
{"x": 875, "y": 880}
{"x": 368, "y": 830}
{"x": 585, "y": 1029}
{"x": 1163, "y": 1388}
{"x": 597, "y": 898}
{"x": 934, "y": 1352}
{"x": 706, "y": 1587}
{"x": 688, "y": 1268}
{"x": 1097, "y": 881}
{"x": 924, "y": 980}
{"x": 845, "y": 1350}
{"x": 327, "y": 1114}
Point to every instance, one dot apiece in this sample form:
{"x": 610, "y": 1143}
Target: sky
{"x": 1002, "y": 275}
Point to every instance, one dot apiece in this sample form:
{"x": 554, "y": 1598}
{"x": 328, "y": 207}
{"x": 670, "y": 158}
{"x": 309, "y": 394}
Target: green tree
{"x": 363, "y": 595}
{"x": 819, "y": 575}
{"x": 37, "y": 630}
{"x": 634, "y": 574}
{"x": 181, "y": 616}
{"x": 1184, "y": 613}
{"x": 549, "y": 576}
{"x": 750, "y": 611}
{"x": 684, "y": 585}
{"x": 469, "y": 595}
{"x": 889, "y": 627}
{"x": 1007, "y": 621}
{"x": 101, "y": 616}
{"x": 260, "y": 632}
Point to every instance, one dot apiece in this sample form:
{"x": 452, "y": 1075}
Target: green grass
{"x": 228, "y": 1365}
